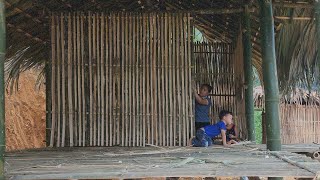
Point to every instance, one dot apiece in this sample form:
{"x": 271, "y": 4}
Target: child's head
{"x": 205, "y": 89}
{"x": 226, "y": 116}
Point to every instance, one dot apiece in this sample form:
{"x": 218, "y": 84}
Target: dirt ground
{"x": 25, "y": 115}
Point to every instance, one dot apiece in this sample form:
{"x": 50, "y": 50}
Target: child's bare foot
{"x": 190, "y": 141}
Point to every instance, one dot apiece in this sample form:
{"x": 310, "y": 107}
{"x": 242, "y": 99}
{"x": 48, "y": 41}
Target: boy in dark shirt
{"x": 202, "y": 106}
{"x": 205, "y": 134}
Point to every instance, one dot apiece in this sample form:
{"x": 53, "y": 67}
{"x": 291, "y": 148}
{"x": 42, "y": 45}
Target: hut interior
{"x": 123, "y": 72}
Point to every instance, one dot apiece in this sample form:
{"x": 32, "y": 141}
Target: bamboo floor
{"x": 157, "y": 162}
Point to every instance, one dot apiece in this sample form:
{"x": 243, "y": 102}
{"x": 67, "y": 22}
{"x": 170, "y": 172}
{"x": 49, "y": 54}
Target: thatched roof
{"x": 28, "y": 36}
{"x": 297, "y": 96}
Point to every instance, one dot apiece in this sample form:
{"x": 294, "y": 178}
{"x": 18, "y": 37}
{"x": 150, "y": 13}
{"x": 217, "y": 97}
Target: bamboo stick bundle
{"x": 53, "y": 81}
{"x": 63, "y": 74}
{"x": 90, "y": 77}
{"x": 102, "y": 76}
{"x": 82, "y": 83}
{"x": 70, "y": 109}
{"x": 75, "y": 86}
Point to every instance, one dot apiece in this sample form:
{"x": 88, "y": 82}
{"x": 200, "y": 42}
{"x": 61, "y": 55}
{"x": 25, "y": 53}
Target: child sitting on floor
{"x": 204, "y": 135}
{"x": 231, "y": 134}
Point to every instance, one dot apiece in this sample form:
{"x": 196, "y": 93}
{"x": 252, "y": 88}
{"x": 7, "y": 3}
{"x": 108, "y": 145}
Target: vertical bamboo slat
{"x": 70, "y": 105}
{"x": 53, "y": 81}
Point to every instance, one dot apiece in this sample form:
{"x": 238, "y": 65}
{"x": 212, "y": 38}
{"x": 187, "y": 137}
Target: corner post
{"x": 270, "y": 77}
{"x": 2, "y": 95}
{"x": 48, "y": 66}
{"x": 248, "y": 74}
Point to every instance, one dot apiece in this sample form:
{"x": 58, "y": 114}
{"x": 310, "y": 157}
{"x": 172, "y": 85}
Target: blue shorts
{"x": 201, "y": 139}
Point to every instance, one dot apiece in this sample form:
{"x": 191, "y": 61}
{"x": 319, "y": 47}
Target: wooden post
{"x": 270, "y": 77}
{"x": 248, "y": 72}
{"x": 2, "y": 109}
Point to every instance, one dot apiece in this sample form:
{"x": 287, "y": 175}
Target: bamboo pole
{"x": 177, "y": 71}
{"x": 130, "y": 61}
{"x": 166, "y": 65}
{"x": 118, "y": 80}
{"x": 183, "y": 89}
{"x": 148, "y": 79}
{"x": 170, "y": 63}
{"x": 154, "y": 83}
{"x": 84, "y": 102}
{"x": 174, "y": 66}
{"x": 142, "y": 130}
{"x": 63, "y": 81}
{"x": 123, "y": 79}
{"x": 317, "y": 22}
{"x": 53, "y": 75}
{"x": 144, "y": 111}
{"x": 247, "y": 56}
{"x": 79, "y": 81}
{"x": 270, "y": 78}
{"x": 189, "y": 41}
{"x": 90, "y": 77}
{"x": 102, "y": 78}
{"x": 163, "y": 101}
{"x": 98, "y": 71}
{"x": 95, "y": 76}
{"x": 49, "y": 112}
{"x": 58, "y": 80}
{"x": 76, "y": 115}
{"x": 138, "y": 83}
{"x": 111, "y": 88}
{"x": 2, "y": 84}
{"x": 126, "y": 81}
{"x": 107, "y": 66}
{"x": 70, "y": 105}
{"x": 133, "y": 73}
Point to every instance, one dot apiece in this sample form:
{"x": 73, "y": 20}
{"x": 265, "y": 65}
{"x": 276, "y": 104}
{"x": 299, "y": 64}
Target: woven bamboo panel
{"x": 121, "y": 79}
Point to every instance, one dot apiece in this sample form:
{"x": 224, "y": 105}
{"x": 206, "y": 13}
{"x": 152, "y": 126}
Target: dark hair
{"x": 207, "y": 86}
{"x": 224, "y": 113}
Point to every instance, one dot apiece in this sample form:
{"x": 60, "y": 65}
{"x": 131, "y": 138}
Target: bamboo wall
{"x": 121, "y": 79}
{"x": 220, "y": 65}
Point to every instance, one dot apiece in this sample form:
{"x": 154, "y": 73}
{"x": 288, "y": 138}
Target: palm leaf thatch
{"x": 28, "y": 37}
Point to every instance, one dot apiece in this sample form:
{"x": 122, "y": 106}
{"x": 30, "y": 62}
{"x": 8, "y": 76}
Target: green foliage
{"x": 258, "y": 125}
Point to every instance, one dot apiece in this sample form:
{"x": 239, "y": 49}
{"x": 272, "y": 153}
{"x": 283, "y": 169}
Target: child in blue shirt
{"x": 205, "y": 134}
{"x": 202, "y": 106}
